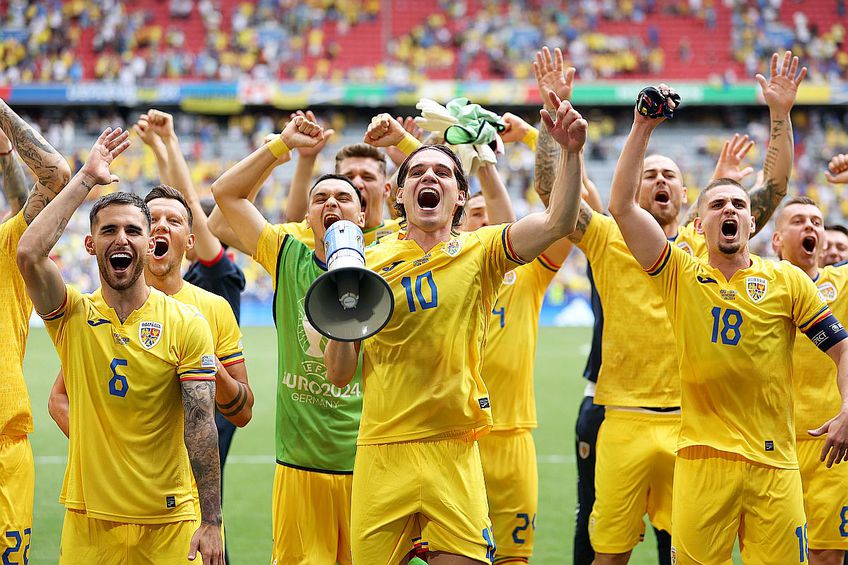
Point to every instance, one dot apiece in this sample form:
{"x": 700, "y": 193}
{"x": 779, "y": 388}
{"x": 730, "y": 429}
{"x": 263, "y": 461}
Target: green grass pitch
{"x": 249, "y": 473}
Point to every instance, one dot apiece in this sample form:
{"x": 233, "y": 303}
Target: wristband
{"x": 277, "y": 147}
{"x": 408, "y": 144}
{"x": 530, "y": 138}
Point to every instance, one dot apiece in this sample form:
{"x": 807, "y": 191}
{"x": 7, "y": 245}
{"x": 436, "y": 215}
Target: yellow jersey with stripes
{"x": 734, "y": 344}
{"x": 127, "y": 460}
{"x": 509, "y": 357}
{"x": 15, "y": 310}
{"x": 422, "y": 373}
{"x": 817, "y": 397}
{"x": 639, "y": 364}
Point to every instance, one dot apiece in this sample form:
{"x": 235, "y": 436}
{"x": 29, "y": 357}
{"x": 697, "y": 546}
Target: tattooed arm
{"x": 14, "y": 181}
{"x": 41, "y": 275}
{"x": 233, "y": 396}
{"x": 49, "y": 167}
{"x": 779, "y": 93}
{"x": 201, "y": 442}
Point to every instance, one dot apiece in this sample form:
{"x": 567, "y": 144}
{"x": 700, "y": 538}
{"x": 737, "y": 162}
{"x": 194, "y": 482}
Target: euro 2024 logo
{"x": 312, "y": 343}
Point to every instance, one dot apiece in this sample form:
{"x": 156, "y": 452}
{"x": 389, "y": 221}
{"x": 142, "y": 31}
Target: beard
{"x": 665, "y": 217}
{"x": 730, "y": 248}
{"x": 122, "y": 283}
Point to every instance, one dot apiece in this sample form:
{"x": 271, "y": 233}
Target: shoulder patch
{"x": 453, "y": 247}
{"x": 149, "y": 333}
{"x": 207, "y": 361}
{"x": 828, "y": 291}
{"x": 756, "y": 287}
{"x": 510, "y": 277}
{"x": 685, "y": 247}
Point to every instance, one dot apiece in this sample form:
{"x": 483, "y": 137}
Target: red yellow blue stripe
{"x": 507, "y": 245}
{"x": 228, "y": 360}
{"x": 818, "y": 317}
{"x": 58, "y": 312}
{"x": 547, "y": 263}
{"x": 661, "y": 261}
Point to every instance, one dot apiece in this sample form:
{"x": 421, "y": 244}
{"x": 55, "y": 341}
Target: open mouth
{"x": 729, "y": 228}
{"x": 120, "y": 261}
{"x": 428, "y": 198}
{"x": 809, "y": 244}
{"x": 160, "y": 247}
{"x": 662, "y": 196}
{"x": 330, "y": 219}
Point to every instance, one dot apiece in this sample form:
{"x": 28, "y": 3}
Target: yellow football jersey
{"x": 226, "y": 335}
{"x": 303, "y": 233}
{"x": 639, "y": 366}
{"x": 127, "y": 460}
{"x": 15, "y": 310}
{"x": 510, "y": 352}
{"x": 817, "y": 397}
{"x": 421, "y": 373}
{"x": 734, "y": 343}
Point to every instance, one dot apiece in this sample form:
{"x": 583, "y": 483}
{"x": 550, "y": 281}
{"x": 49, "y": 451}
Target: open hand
{"x": 780, "y": 90}
{"x": 569, "y": 129}
{"x": 835, "y": 448}
{"x": 730, "y": 161}
{"x": 108, "y": 146}
{"x": 209, "y": 542}
{"x": 552, "y": 76}
{"x": 384, "y": 131}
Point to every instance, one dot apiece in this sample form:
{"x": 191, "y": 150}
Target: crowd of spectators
{"x": 211, "y": 145}
{"x": 71, "y": 40}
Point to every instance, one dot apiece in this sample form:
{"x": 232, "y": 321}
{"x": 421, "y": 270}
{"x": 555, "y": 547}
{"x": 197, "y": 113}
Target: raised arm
{"x": 396, "y": 155}
{"x": 14, "y": 181}
{"x": 644, "y": 236}
{"x": 534, "y": 233}
{"x": 779, "y": 93}
{"x": 233, "y": 189}
{"x": 498, "y": 204}
{"x": 837, "y": 169}
{"x": 296, "y": 203}
{"x": 148, "y": 136}
{"x": 50, "y": 168}
{"x": 201, "y": 442}
{"x": 41, "y": 275}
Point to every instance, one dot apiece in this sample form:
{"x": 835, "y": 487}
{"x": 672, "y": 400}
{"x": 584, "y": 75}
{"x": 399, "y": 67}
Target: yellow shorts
{"x": 825, "y": 497}
{"x": 89, "y": 540}
{"x": 17, "y": 487}
{"x": 719, "y": 495}
{"x": 429, "y": 489}
{"x": 512, "y": 484}
{"x": 311, "y": 517}
{"x": 633, "y": 475}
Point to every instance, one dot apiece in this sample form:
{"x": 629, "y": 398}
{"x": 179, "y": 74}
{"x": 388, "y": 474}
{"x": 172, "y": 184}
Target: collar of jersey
{"x": 753, "y": 268}
{"x": 108, "y": 312}
{"x": 321, "y": 264}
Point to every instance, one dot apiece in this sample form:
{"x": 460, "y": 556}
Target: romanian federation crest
{"x": 149, "y": 334}
{"x": 453, "y": 247}
{"x": 828, "y": 291}
{"x": 756, "y": 288}
{"x": 509, "y": 278}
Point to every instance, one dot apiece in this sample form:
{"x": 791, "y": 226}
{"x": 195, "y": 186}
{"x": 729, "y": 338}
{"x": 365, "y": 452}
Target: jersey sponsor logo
{"x": 419, "y": 262}
{"x": 510, "y": 277}
{"x": 828, "y": 291}
{"x": 453, "y": 248}
{"x": 97, "y": 322}
{"x": 119, "y": 339}
{"x": 388, "y": 268}
{"x": 727, "y": 294}
{"x": 584, "y": 449}
{"x": 207, "y": 361}
{"x": 484, "y": 402}
{"x": 756, "y": 288}
{"x": 686, "y": 247}
{"x": 706, "y": 280}
{"x": 149, "y": 334}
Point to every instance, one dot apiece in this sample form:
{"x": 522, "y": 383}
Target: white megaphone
{"x": 348, "y": 302}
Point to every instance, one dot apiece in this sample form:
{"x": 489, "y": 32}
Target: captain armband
{"x": 826, "y": 333}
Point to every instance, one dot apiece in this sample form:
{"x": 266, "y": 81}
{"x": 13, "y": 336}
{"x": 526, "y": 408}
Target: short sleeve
{"x": 594, "y": 241}
{"x": 271, "y": 240}
{"x": 666, "y": 272}
{"x": 197, "y": 358}
{"x": 10, "y": 233}
{"x": 545, "y": 270}
{"x": 228, "y": 346}
{"x": 56, "y": 320}
{"x": 808, "y": 305}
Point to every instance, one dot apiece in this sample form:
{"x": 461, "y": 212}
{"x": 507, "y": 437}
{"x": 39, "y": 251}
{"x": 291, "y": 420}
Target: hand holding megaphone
{"x": 348, "y": 302}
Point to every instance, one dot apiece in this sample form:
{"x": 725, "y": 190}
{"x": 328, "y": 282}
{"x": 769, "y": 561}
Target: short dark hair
{"x": 119, "y": 199}
{"x": 805, "y": 200}
{"x": 724, "y": 181}
{"x": 361, "y": 150}
{"x": 333, "y": 176}
{"x": 165, "y": 191}
{"x": 836, "y": 227}
{"x": 461, "y": 179}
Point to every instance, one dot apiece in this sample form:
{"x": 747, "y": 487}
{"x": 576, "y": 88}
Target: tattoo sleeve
{"x": 547, "y": 157}
{"x": 584, "y": 217}
{"x": 49, "y": 167}
{"x": 201, "y": 441}
{"x": 235, "y": 405}
{"x": 777, "y": 167}
{"x": 14, "y": 182}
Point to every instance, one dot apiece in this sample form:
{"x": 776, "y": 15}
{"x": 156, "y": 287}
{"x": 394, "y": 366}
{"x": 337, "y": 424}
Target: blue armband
{"x": 826, "y": 332}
